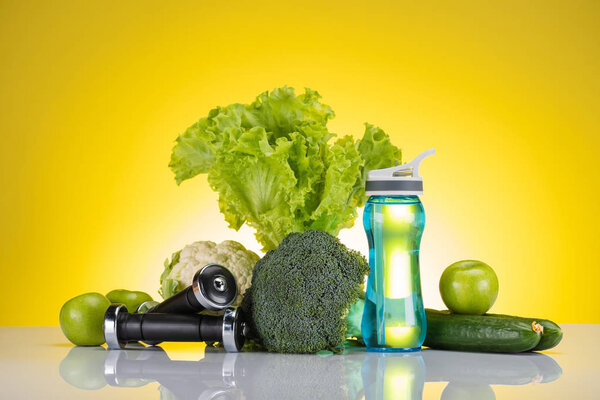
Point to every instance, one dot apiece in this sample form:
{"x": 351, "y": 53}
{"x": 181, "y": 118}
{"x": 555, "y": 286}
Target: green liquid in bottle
{"x": 394, "y": 317}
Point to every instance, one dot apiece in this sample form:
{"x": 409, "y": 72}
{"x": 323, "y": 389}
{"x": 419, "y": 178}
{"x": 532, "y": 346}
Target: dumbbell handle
{"x": 184, "y": 302}
{"x": 170, "y": 328}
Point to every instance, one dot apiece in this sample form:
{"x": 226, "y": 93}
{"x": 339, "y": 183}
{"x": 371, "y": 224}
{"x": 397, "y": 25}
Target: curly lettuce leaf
{"x": 256, "y": 186}
{"x": 377, "y": 151}
{"x": 306, "y": 160}
{"x": 169, "y": 287}
{"x": 343, "y": 164}
{"x": 195, "y": 150}
{"x": 279, "y": 113}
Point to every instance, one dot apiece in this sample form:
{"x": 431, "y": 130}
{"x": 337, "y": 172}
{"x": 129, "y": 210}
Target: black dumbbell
{"x": 213, "y": 288}
{"x": 121, "y": 327}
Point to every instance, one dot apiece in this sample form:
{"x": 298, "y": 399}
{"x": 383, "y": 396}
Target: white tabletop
{"x": 38, "y": 363}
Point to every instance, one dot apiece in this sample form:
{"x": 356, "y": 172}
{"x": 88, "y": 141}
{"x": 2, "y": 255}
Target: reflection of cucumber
{"x": 482, "y": 368}
{"x": 479, "y": 333}
{"x": 551, "y": 335}
{"x": 548, "y": 367}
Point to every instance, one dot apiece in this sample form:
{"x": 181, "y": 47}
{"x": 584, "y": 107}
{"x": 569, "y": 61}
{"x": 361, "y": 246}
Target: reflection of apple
{"x": 81, "y": 319}
{"x": 455, "y": 391}
{"x": 469, "y": 287}
{"x": 83, "y": 367}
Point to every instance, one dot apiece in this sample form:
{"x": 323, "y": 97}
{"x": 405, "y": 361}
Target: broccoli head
{"x": 301, "y": 293}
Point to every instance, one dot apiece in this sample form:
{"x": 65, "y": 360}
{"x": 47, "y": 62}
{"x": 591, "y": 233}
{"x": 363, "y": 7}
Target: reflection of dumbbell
{"x": 213, "y": 288}
{"x": 211, "y": 378}
{"x": 248, "y": 375}
{"x": 121, "y": 327}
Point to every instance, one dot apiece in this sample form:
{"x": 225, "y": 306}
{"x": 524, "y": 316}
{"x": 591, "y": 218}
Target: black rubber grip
{"x": 184, "y": 302}
{"x": 212, "y": 328}
{"x": 171, "y": 327}
{"x": 158, "y": 328}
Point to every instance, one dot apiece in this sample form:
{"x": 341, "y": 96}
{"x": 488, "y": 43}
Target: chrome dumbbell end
{"x": 111, "y": 326}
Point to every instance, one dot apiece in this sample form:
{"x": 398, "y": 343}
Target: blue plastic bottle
{"x": 394, "y": 219}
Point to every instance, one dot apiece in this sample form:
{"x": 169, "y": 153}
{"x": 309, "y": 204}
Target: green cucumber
{"x": 551, "y": 335}
{"x": 481, "y": 333}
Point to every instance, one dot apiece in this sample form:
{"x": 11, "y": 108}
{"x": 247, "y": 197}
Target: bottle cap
{"x": 399, "y": 180}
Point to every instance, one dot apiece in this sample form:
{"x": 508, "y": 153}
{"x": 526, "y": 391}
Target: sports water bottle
{"x": 394, "y": 317}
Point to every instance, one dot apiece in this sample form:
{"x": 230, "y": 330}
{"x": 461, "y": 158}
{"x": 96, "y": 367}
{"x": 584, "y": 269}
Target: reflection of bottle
{"x": 393, "y": 376}
{"x": 394, "y": 317}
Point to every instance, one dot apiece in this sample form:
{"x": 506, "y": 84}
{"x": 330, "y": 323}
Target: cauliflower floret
{"x": 180, "y": 270}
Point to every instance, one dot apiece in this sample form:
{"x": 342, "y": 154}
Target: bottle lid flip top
{"x": 398, "y": 180}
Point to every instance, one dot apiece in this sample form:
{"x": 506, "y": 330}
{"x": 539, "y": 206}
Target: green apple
{"x": 81, "y": 319}
{"x": 469, "y": 287}
{"x": 131, "y": 299}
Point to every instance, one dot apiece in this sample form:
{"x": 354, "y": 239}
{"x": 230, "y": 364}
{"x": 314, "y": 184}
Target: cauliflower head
{"x": 180, "y": 270}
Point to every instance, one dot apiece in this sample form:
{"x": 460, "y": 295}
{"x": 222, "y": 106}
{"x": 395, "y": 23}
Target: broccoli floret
{"x": 301, "y": 293}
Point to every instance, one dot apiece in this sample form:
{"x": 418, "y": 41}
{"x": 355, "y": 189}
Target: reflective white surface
{"x": 39, "y": 363}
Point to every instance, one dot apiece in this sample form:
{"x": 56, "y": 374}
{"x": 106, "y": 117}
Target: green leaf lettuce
{"x": 273, "y": 166}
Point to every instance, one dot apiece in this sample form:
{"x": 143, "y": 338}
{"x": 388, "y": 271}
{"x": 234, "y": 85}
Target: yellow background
{"x": 93, "y": 94}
